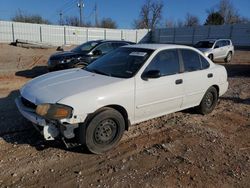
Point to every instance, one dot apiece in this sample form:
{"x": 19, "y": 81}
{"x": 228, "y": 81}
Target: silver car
{"x": 217, "y": 49}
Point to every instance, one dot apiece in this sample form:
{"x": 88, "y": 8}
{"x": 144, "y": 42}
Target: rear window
{"x": 119, "y": 44}
{"x": 204, "y": 44}
{"x": 191, "y": 60}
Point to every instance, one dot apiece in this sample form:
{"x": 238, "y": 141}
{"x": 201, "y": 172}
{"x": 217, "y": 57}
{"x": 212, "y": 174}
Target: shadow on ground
{"x": 34, "y": 72}
{"x": 238, "y": 70}
{"x": 237, "y": 100}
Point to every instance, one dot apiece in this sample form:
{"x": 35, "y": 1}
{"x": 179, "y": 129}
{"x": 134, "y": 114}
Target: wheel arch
{"x": 119, "y": 108}
{"x": 217, "y": 89}
{"x": 124, "y": 113}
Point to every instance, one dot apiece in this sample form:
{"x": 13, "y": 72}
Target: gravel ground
{"x": 182, "y": 149}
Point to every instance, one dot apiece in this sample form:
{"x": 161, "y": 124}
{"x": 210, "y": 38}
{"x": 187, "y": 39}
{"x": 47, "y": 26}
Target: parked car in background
{"x": 129, "y": 85}
{"x": 217, "y": 49}
{"x": 83, "y": 54}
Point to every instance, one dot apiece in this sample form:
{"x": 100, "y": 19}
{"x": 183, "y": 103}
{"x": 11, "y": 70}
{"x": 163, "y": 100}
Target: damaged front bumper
{"x": 49, "y": 129}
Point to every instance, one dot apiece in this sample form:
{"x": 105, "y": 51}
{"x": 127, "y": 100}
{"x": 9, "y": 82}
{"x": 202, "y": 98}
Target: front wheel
{"x": 80, "y": 66}
{"x": 209, "y": 101}
{"x": 211, "y": 57}
{"x": 103, "y": 132}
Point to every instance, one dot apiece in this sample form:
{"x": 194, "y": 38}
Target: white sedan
{"x": 95, "y": 105}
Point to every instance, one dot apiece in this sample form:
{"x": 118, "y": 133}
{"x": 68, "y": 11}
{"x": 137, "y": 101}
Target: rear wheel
{"x": 209, "y": 101}
{"x": 228, "y": 58}
{"x": 103, "y": 131}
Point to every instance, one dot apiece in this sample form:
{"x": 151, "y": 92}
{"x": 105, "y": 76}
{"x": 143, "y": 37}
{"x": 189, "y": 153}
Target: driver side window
{"x": 166, "y": 61}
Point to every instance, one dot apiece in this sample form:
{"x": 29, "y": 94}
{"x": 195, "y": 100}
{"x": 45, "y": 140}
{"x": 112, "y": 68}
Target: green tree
{"x": 214, "y": 18}
{"x": 107, "y": 23}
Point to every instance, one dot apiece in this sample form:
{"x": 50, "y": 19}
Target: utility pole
{"x": 61, "y": 21}
{"x": 96, "y": 15}
{"x": 81, "y": 6}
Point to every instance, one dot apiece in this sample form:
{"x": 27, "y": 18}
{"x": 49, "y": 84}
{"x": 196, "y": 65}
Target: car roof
{"x": 158, "y": 46}
{"x": 214, "y": 39}
{"x": 103, "y": 41}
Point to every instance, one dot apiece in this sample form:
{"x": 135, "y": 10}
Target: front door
{"x": 158, "y": 96}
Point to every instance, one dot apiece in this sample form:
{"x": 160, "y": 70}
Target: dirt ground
{"x": 182, "y": 149}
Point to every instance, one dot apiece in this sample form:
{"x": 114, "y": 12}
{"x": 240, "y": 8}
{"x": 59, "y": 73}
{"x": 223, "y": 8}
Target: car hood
{"x": 65, "y": 55}
{"x": 52, "y": 87}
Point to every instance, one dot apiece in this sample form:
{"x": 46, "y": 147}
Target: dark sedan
{"x": 83, "y": 54}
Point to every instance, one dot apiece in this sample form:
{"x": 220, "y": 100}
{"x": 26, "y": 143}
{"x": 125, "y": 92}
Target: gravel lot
{"x": 182, "y": 149}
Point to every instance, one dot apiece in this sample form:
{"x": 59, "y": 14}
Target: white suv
{"x": 217, "y": 49}
{"x": 132, "y": 84}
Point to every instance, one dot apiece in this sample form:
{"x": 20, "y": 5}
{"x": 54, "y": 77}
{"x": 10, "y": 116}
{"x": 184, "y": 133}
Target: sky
{"x": 124, "y": 12}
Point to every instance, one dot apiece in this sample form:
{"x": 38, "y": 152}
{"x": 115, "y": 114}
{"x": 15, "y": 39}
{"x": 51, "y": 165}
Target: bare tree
{"x": 150, "y": 15}
{"x": 170, "y": 24}
{"x": 108, "y": 23}
{"x": 180, "y": 23}
{"x": 71, "y": 21}
{"x": 27, "y": 18}
{"x": 230, "y": 13}
{"x": 74, "y": 21}
{"x": 191, "y": 20}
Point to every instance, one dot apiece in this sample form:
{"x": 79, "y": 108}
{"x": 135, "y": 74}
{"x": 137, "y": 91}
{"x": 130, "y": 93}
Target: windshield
{"x": 86, "y": 47}
{"x": 121, "y": 63}
{"x": 205, "y": 44}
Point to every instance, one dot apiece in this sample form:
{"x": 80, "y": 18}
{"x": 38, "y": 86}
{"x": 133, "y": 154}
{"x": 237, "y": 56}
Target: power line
{"x": 68, "y": 8}
{"x": 65, "y": 5}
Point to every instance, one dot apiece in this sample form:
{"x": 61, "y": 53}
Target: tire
{"x": 208, "y": 101}
{"x": 228, "y": 58}
{"x": 211, "y": 57}
{"x": 103, "y": 131}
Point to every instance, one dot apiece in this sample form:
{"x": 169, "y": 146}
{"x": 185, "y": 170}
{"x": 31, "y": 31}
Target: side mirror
{"x": 97, "y": 52}
{"x": 151, "y": 74}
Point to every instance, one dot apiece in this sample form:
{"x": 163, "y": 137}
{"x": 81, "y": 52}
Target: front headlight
{"x": 66, "y": 60}
{"x": 54, "y": 111}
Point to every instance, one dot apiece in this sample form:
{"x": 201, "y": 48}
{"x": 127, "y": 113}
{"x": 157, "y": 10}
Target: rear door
{"x": 159, "y": 96}
{"x": 196, "y": 77}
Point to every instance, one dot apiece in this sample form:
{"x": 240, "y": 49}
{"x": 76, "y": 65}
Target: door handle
{"x": 179, "y": 81}
{"x": 210, "y": 75}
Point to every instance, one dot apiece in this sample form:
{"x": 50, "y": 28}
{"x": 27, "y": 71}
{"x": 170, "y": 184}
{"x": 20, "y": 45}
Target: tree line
{"x": 223, "y": 13}
{"x": 150, "y": 17}
{"x": 22, "y": 16}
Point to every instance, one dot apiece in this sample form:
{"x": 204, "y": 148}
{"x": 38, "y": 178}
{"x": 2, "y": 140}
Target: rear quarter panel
{"x": 219, "y": 78}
